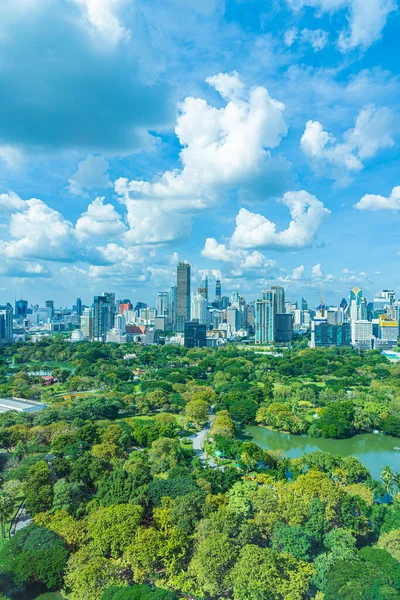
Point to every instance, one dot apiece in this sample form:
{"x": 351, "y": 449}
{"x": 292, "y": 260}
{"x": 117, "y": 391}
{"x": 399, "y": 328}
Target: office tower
{"x": 172, "y": 308}
{"x": 355, "y": 294}
{"x": 87, "y": 323}
{"x": 304, "y": 304}
{"x": 103, "y": 315}
{"x": 199, "y": 309}
{"x": 283, "y": 328}
{"x": 78, "y": 307}
{"x": 280, "y": 298}
{"x": 265, "y": 317}
{"x": 162, "y": 302}
{"x": 182, "y": 295}
{"x": 21, "y": 309}
{"x": 224, "y": 302}
{"x": 203, "y": 287}
{"x": 361, "y": 334}
{"x": 50, "y": 304}
{"x": 343, "y": 304}
{"x": 6, "y": 324}
{"x": 124, "y": 305}
{"x": 334, "y": 316}
{"x": 195, "y": 334}
{"x": 235, "y": 299}
{"x": 388, "y": 329}
{"x": 139, "y": 305}
{"x": 233, "y": 318}
{"x": 323, "y": 334}
{"x": 390, "y": 295}
{"x": 218, "y": 291}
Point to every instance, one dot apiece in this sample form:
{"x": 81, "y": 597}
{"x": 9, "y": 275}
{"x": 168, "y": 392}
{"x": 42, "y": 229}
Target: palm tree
{"x": 6, "y": 509}
{"x": 388, "y": 477}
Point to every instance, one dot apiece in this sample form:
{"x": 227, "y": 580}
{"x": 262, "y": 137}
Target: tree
{"x": 391, "y": 425}
{"x": 337, "y": 420}
{"x": 293, "y": 540}
{"x": 89, "y": 575}
{"x": 261, "y": 574}
{"x": 66, "y": 496}
{"x": 391, "y": 543}
{"x": 388, "y": 477}
{"x": 243, "y": 410}
{"x": 137, "y": 592}
{"x": 211, "y": 565}
{"x": 110, "y": 529}
{"x": 163, "y": 455}
{"x": 6, "y": 509}
{"x": 38, "y": 488}
{"x": 35, "y": 554}
{"x": 196, "y": 411}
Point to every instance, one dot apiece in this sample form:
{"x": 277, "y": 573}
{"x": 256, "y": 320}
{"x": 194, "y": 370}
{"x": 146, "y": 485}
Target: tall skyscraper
{"x": 218, "y": 291}
{"x": 50, "y": 305}
{"x": 203, "y": 287}
{"x": 265, "y": 317}
{"x": 356, "y": 294}
{"x": 103, "y": 315}
{"x": 87, "y": 323}
{"x": 183, "y": 270}
{"x": 304, "y": 304}
{"x": 6, "y": 324}
{"x": 21, "y": 308}
{"x": 79, "y": 307}
{"x": 199, "y": 309}
{"x": 162, "y": 302}
{"x": 279, "y": 298}
{"x": 172, "y": 308}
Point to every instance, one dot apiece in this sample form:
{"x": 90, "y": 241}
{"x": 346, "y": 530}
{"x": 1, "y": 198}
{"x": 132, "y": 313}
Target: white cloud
{"x": 317, "y": 272}
{"x": 318, "y": 38}
{"x": 372, "y": 132}
{"x": 240, "y": 258}
{"x": 40, "y": 232}
{"x": 11, "y": 202}
{"x": 100, "y": 220}
{"x": 377, "y": 202}
{"x": 103, "y": 19}
{"x": 298, "y": 273}
{"x": 91, "y": 174}
{"x": 152, "y": 223}
{"x": 290, "y": 36}
{"x": 254, "y": 230}
{"x": 366, "y": 18}
{"x": 24, "y": 270}
{"x": 223, "y": 148}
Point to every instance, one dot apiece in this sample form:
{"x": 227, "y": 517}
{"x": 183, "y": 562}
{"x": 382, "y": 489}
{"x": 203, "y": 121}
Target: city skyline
{"x": 267, "y": 155}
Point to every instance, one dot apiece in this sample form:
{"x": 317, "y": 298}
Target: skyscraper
{"x": 279, "y": 298}
{"x": 78, "y": 307}
{"x": 182, "y": 295}
{"x": 6, "y": 324}
{"x": 203, "y": 287}
{"x": 21, "y": 308}
{"x": 50, "y": 305}
{"x": 103, "y": 315}
{"x": 218, "y": 291}
{"x": 356, "y": 294}
{"x": 172, "y": 308}
{"x": 265, "y": 317}
{"x": 162, "y": 303}
{"x": 87, "y": 323}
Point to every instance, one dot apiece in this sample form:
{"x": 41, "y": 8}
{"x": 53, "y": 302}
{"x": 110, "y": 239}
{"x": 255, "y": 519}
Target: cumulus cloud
{"x": 40, "y": 232}
{"x": 378, "y": 202}
{"x": 256, "y": 231}
{"x": 223, "y": 148}
{"x": 11, "y": 202}
{"x": 373, "y": 131}
{"x": 240, "y": 258}
{"x": 91, "y": 174}
{"x": 366, "y": 18}
{"x": 318, "y": 38}
{"x": 100, "y": 220}
{"x": 102, "y": 16}
{"x": 24, "y": 270}
{"x": 317, "y": 272}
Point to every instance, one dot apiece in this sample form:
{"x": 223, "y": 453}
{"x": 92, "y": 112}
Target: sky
{"x": 256, "y": 139}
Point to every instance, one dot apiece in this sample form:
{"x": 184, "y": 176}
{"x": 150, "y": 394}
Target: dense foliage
{"x": 123, "y": 507}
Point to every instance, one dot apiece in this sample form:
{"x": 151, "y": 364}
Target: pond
{"x": 373, "y": 450}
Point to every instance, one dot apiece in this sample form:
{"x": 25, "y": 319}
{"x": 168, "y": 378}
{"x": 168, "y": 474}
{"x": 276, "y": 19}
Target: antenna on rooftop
{"x": 322, "y": 296}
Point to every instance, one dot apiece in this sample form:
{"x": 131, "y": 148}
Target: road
{"x": 199, "y": 438}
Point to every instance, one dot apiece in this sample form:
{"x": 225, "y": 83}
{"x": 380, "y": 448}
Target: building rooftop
{"x": 19, "y": 405}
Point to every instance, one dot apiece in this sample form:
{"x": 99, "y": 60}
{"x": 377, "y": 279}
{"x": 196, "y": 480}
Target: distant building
{"x": 233, "y": 319}
{"x": 124, "y": 305}
{"x": 160, "y": 323}
{"x": 279, "y": 298}
{"x": 203, "y": 287}
{"x": 183, "y": 271}
{"x": 283, "y": 328}
{"x": 21, "y": 309}
{"x": 218, "y": 292}
{"x": 162, "y": 303}
{"x": 79, "y": 307}
{"x": 6, "y": 324}
{"x": 195, "y": 334}
{"x": 361, "y": 334}
{"x": 103, "y": 315}
{"x": 50, "y": 305}
{"x": 389, "y": 329}
{"x": 265, "y": 318}
{"x": 87, "y": 323}
{"x": 18, "y": 405}
{"x": 323, "y": 334}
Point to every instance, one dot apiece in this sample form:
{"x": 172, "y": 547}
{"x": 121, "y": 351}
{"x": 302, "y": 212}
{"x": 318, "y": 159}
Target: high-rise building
{"x": 218, "y": 291}
{"x": 195, "y": 334}
{"x": 87, "y": 323}
{"x": 172, "y": 308}
{"x": 50, "y": 305}
{"x": 203, "y": 287}
{"x": 233, "y": 318}
{"x": 78, "y": 307}
{"x": 21, "y": 309}
{"x": 199, "y": 309}
{"x": 265, "y": 318}
{"x": 323, "y": 334}
{"x": 162, "y": 303}
{"x": 361, "y": 334}
{"x": 182, "y": 295}
{"x": 389, "y": 329}
{"x": 279, "y": 298}
{"x": 355, "y": 294}
{"x": 235, "y": 299}
{"x": 283, "y": 328}
{"x": 6, "y": 324}
{"x": 103, "y": 315}
{"x": 124, "y": 305}
{"x": 304, "y": 304}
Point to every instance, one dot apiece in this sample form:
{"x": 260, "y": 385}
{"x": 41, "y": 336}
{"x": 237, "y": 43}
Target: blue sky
{"x": 258, "y": 139}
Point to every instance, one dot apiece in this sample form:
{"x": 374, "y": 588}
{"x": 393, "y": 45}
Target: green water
{"x": 373, "y": 450}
